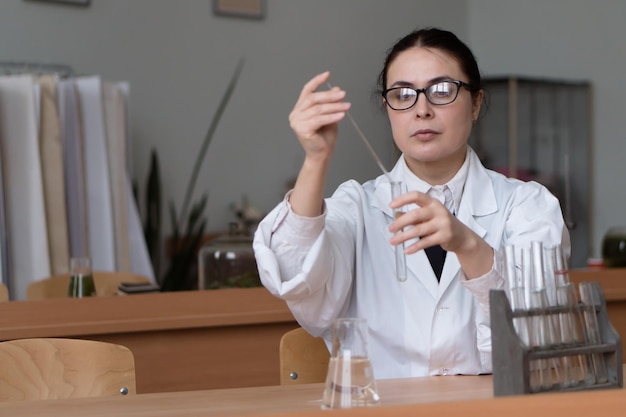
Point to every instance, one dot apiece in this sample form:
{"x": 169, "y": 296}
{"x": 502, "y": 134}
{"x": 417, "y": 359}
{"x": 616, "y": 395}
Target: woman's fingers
{"x": 314, "y": 83}
{"x": 311, "y": 97}
{"x": 430, "y": 223}
{"x": 316, "y": 111}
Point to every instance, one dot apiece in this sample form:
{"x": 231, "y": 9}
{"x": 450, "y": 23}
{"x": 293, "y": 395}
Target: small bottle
{"x": 81, "y": 278}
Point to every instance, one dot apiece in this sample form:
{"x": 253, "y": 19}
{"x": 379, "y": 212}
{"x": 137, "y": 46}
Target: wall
{"x": 571, "y": 39}
{"x": 178, "y": 57}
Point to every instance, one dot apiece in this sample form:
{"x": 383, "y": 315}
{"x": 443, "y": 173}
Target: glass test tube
{"x": 590, "y": 298}
{"x": 571, "y": 322}
{"x": 516, "y": 293}
{"x": 397, "y": 188}
{"x": 548, "y": 370}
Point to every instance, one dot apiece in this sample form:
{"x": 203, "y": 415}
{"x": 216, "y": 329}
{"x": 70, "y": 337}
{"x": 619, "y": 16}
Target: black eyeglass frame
{"x": 458, "y": 83}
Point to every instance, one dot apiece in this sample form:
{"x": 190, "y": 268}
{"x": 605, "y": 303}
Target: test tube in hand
{"x": 398, "y": 188}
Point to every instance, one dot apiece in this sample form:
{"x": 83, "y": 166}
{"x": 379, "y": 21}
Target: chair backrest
{"x": 56, "y": 286}
{"x": 303, "y": 358}
{"x": 4, "y": 292}
{"x": 51, "y": 368}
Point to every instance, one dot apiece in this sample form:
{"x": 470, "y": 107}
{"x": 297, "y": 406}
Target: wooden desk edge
{"x": 612, "y": 281}
{"x": 609, "y": 402}
{"x": 606, "y": 403}
{"x": 141, "y": 312}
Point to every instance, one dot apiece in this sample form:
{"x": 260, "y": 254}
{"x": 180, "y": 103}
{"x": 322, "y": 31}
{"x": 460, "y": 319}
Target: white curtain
{"x": 64, "y": 179}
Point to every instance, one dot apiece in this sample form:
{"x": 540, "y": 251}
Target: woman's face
{"x": 431, "y": 137}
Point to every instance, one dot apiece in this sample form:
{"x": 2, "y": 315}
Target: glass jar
{"x": 228, "y": 262}
{"x": 81, "y": 278}
{"x": 614, "y": 247}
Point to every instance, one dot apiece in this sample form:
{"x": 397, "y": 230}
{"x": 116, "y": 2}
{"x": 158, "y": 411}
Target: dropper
{"x": 401, "y": 273}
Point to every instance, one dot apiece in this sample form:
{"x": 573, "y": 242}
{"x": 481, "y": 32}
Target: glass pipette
{"x": 401, "y": 273}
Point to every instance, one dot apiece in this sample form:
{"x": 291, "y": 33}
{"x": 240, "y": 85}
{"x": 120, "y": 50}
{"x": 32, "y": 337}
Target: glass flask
{"x": 350, "y": 379}
{"x": 228, "y": 262}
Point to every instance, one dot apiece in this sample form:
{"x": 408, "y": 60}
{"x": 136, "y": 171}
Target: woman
{"x": 334, "y": 257}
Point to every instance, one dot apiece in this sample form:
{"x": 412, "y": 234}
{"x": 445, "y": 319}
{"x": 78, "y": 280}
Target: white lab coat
{"x": 418, "y": 327}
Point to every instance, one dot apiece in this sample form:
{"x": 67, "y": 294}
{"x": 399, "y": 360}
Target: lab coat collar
{"x": 478, "y": 197}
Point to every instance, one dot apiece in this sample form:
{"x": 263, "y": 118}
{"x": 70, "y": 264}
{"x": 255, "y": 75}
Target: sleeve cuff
{"x": 480, "y": 286}
{"x": 298, "y": 229}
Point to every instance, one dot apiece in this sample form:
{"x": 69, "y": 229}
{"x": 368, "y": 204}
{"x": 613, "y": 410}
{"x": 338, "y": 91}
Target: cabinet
{"x": 540, "y": 129}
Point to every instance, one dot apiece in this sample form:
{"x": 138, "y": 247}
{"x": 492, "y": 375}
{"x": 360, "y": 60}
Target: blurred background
{"x": 178, "y": 56}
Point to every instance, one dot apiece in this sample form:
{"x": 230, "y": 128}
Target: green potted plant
{"x": 188, "y": 225}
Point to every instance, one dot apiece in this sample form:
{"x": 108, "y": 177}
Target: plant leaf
{"x": 152, "y": 227}
{"x": 175, "y": 233}
{"x": 195, "y": 214}
{"x": 207, "y": 140}
{"x": 181, "y": 272}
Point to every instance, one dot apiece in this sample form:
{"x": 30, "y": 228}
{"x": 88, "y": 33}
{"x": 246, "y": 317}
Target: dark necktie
{"x": 436, "y": 256}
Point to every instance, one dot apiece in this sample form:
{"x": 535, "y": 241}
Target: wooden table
{"x": 201, "y": 340}
{"x": 181, "y": 341}
{"x": 432, "y": 396}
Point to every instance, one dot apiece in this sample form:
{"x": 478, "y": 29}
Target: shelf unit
{"x": 540, "y": 129}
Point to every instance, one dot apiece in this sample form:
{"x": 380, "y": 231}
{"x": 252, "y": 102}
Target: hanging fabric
{"x": 27, "y": 239}
{"x": 115, "y": 120}
{"x": 65, "y": 187}
{"x": 51, "y": 149}
{"x": 99, "y": 201}
{"x": 74, "y": 168}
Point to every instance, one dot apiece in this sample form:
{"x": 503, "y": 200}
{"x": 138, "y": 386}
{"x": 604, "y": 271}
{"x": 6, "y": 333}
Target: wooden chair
{"x": 4, "y": 292}
{"x": 56, "y": 286}
{"x": 38, "y": 369}
{"x": 303, "y": 358}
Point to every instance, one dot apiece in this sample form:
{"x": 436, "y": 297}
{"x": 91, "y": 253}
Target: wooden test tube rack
{"x": 512, "y": 358}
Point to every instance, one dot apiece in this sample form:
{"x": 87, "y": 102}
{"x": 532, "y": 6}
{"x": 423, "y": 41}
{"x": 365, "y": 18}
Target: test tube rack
{"x": 512, "y": 359}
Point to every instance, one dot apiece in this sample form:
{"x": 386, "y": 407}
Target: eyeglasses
{"x": 444, "y": 92}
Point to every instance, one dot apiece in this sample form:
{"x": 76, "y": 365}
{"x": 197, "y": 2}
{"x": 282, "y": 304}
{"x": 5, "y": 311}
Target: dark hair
{"x": 438, "y": 39}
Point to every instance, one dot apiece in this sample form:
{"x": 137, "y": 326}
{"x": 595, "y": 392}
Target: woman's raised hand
{"x": 315, "y": 116}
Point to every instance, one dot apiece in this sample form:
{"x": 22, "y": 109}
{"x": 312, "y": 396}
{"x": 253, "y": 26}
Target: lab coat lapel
{"x": 419, "y": 266}
{"x": 479, "y": 199}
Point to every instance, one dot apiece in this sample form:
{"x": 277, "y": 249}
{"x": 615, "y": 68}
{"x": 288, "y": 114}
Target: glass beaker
{"x": 350, "y": 379}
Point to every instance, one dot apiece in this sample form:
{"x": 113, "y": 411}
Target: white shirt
{"x": 448, "y": 194}
{"x": 341, "y": 264}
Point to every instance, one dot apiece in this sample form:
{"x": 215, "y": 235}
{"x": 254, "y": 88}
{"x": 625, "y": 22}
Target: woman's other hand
{"x": 432, "y": 224}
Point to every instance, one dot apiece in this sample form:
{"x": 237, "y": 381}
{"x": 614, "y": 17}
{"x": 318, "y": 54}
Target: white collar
{"x": 456, "y": 184}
